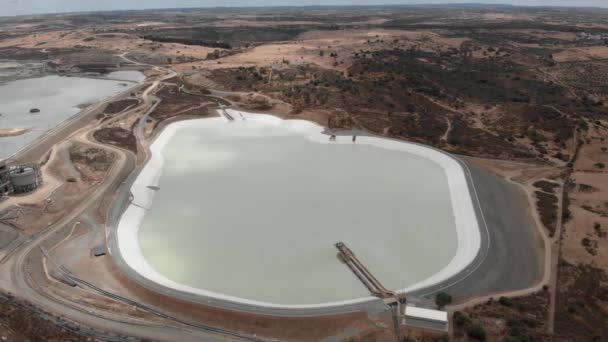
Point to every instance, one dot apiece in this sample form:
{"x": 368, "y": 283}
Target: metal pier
{"x": 365, "y": 276}
{"x": 226, "y": 115}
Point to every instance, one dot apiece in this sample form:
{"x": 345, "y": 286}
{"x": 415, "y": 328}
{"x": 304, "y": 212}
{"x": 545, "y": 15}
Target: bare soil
{"x": 117, "y": 136}
{"x": 92, "y": 163}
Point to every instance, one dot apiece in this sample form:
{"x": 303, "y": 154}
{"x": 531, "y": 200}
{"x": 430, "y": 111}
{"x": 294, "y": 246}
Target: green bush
{"x": 505, "y": 301}
{"x": 442, "y": 299}
{"x": 461, "y": 319}
{"x": 477, "y": 332}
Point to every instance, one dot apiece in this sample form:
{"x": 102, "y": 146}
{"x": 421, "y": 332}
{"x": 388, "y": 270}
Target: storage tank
{"x": 24, "y": 179}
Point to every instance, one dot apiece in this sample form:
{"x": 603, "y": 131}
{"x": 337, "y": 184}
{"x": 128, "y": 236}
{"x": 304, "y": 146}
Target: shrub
{"x": 505, "y": 301}
{"x": 477, "y": 332}
{"x": 442, "y": 299}
{"x": 530, "y": 322}
{"x": 71, "y": 180}
{"x": 461, "y": 319}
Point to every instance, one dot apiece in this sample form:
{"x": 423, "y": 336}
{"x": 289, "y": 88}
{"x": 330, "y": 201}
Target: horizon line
{"x": 460, "y": 4}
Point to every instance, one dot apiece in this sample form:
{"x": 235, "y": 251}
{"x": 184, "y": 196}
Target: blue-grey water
{"x": 57, "y": 97}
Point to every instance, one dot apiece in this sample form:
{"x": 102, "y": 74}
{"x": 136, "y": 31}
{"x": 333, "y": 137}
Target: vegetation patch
{"x": 582, "y": 303}
{"x": 546, "y": 186}
{"x": 119, "y": 106}
{"x": 547, "y": 209}
{"x": 116, "y": 136}
{"x": 188, "y": 101}
{"x": 508, "y": 319}
{"x": 21, "y": 321}
{"x": 223, "y": 37}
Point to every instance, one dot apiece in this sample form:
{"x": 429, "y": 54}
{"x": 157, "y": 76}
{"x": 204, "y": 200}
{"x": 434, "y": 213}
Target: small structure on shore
{"x": 98, "y": 251}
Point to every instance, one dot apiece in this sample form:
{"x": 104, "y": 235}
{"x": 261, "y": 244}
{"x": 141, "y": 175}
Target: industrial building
{"x": 429, "y": 319}
{"x": 18, "y": 178}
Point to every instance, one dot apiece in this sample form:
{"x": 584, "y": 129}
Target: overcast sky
{"x": 20, "y": 7}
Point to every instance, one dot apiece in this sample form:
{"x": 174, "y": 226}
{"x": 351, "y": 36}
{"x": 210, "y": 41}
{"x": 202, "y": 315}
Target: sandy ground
{"x": 116, "y": 42}
{"x": 11, "y": 132}
{"x": 305, "y": 49}
{"x": 594, "y": 150}
{"x": 585, "y": 238}
{"x": 589, "y": 208}
{"x": 581, "y": 54}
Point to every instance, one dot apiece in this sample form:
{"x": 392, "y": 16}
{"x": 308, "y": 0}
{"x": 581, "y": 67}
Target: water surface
{"x": 252, "y": 210}
{"x": 57, "y": 97}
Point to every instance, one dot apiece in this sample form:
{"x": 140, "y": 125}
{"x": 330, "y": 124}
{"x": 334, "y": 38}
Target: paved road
{"x": 513, "y": 261}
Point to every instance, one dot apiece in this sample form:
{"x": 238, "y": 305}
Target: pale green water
{"x": 253, "y": 211}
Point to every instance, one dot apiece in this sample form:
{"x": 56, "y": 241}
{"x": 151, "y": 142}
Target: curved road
{"x": 25, "y": 287}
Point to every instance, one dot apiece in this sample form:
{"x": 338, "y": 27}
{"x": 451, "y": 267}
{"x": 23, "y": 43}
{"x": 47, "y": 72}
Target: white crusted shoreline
{"x": 467, "y": 225}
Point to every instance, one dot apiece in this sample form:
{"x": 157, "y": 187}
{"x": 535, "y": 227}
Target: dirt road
{"x": 16, "y": 274}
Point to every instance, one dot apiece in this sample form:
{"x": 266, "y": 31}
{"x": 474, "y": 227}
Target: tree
{"x": 442, "y": 299}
